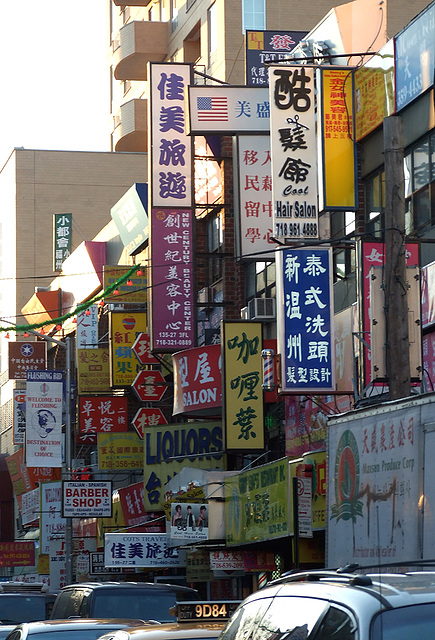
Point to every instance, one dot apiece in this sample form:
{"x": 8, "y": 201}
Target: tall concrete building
{"x": 35, "y": 185}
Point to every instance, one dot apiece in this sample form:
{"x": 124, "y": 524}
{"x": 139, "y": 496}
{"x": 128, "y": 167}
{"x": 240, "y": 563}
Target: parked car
{"x": 24, "y": 602}
{"x": 322, "y": 605}
{"x": 144, "y": 600}
{"x": 196, "y": 620}
{"x": 85, "y": 629}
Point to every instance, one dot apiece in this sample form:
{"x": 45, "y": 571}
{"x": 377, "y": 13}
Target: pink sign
{"x": 133, "y": 509}
{"x": 172, "y": 291}
{"x": 198, "y": 381}
{"x": 374, "y": 255}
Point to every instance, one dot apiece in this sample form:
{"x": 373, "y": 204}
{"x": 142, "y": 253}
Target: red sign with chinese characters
{"x": 101, "y": 414}
{"x": 141, "y": 349}
{"x": 147, "y": 417}
{"x": 149, "y": 386}
{"x": 17, "y": 554}
{"x": 133, "y": 510}
{"x": 198, "y": 381}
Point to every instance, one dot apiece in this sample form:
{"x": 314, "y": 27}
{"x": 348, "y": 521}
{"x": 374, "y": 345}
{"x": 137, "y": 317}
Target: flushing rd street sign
{"x": 149, "y": 386}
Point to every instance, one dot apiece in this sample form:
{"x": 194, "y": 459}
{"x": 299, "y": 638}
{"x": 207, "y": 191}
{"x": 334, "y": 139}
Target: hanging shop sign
{"x": 257, "y": 504}
{"x": 101, "y": 414}
{"x": 142, "y": 351}
{"x": 30, "y": 507}
{"x": 198, "y": 381}
{"x": 267, "y": 47}
{"x": 225, "y": 109}
{"x": 149, "y": 386}
{"x": 337, "y": 160}
{"x": 243, "y": 394}
{"x": 305, "y": 320}
{"x": 19, "y": 416}
{"x": 25, "y": 478}
{"x": 52, "y": 524}
{"x": 141, "y": 550}
{"x": 374, "y": 91}
{"x": 17, "y": 554}
{"x": 26, "y": 356}
{"x": 44, "y": 396}
{"x": 62, "y": 239}
{"x": 169, "y": 448}
{"x": 86, "y": 499}
{"x": 171, "y": 148}
{"x": 255, "y": 189}
{"x": 189, "y": 522}
{"x": 119, "y": 451}
{"x": 147, "y": 417}
{"x": 123, "y": 331}
{"x": 172, "y": 293}
{"x": 87, "y": 328}
{"x": 415, "y": 58}
{"x": 131, "y": 291}
{"x": 294, "y": 152}
{"x": 131, "y": 219}
{"x": 93, "y": 370}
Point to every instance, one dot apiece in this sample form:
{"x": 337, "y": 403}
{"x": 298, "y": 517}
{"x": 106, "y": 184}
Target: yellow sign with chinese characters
{"x": 243, "y": 393}
{"x": 119, "y": 451}
{"x": 257, "y": 504}
{"x": 124, "y": 329}
{"x": 93, "y": 370}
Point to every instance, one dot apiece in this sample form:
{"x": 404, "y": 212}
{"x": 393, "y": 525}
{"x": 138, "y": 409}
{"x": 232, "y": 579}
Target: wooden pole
{"x": 396, "y": 303}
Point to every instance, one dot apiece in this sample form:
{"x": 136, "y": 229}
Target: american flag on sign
{"x": 212, "y": 109}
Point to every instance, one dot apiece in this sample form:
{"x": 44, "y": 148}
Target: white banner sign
{"x": 30, "y": 506}
{"x": 227, "y": 109}
{"x": 19, "y": 416}
{"x": 87, "y": 499}
{"x": 294, "y": 152}
{"x": 141, "y": 550}
{"x": 52, "y": 525}
{"x": 44, "y": 418}
{"x": 87, "y": 328}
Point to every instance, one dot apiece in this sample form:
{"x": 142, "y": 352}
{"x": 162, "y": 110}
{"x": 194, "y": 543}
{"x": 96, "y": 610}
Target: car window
{"x": 403, "y": 623}
{"x": 142, "y": 604}
{"x": 14, "y": 635}
{"x": 245, "y": 620}
{"x": 336, "y": 625}
{"x": 22, "y": 608}
{"x": 68, "y": 603}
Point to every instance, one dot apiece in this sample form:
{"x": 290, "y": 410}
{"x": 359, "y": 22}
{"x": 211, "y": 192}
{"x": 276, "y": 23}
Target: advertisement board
{"x": 44, "y": 397}
{"x": 141, "y": 550}
{"x": 91, "y": 499}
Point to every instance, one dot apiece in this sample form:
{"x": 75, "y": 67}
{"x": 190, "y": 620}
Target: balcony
{"x": 131, "y": 3}
{"x": 137, "y": 44}
{"x": 131, "y": 132}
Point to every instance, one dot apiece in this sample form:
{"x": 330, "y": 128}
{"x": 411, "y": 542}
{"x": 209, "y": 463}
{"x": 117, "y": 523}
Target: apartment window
{"x": 212, "y": 33}
{"x": 254, "y": 14}
{"x": 260, "y": 280}
{"x": 174, "y": 15}
{"x": 419, "y": 174}
{"x": 214, "y": 246}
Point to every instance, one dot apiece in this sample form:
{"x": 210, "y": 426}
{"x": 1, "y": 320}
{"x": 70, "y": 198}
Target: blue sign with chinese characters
{"x": 305, "y": 315}
{"x": 415, "y": 58}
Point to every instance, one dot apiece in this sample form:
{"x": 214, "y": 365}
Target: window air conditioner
{"x": 262, "y": 309}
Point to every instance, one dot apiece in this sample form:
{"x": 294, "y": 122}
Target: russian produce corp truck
{"x": 381, "y": 483}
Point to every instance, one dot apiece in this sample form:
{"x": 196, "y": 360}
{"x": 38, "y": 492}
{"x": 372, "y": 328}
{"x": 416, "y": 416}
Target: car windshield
{"x": 143, "y": 605}
{"x": 14, "y": 610}
{"x": 415, "y": 621}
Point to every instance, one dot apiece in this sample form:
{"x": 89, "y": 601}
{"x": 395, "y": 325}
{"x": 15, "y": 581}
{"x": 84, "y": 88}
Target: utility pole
{"x": 396, "y": 289}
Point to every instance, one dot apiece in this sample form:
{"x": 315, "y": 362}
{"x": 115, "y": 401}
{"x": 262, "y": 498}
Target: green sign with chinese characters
{"x": 62, "y": 239}
{"x": 257, "y": 504}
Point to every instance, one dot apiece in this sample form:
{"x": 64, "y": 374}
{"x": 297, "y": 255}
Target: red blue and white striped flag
{"x": 212, "y": 109}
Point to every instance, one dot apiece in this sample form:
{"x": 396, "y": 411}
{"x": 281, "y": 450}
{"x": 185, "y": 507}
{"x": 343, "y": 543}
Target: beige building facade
{"x": 34, "y": 185}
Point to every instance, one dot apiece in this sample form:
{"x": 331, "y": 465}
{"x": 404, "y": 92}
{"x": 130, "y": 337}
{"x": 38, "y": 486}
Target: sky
{"x": 55, "y": 76}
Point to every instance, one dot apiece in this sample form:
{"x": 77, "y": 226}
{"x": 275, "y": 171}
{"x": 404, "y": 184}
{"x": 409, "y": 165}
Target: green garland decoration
{"x": 80, "y": 307}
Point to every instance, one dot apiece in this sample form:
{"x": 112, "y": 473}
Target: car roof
{"x": 171, "y": 631}
{"x": 129, "y": 585}
{"x": 383, "y": 590}
{"x": 42, "y": 626}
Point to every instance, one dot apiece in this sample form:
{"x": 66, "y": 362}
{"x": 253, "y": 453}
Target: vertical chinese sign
{"x": 62, "y": 239}
{"x": 338, "y": 174}
{"x": 172, "y": 325}
{"x": 243, "y": 370}
{"x": 255, "y": 180}
{"x": 294, "y": 152}
{"x": 123, "y": 330}
{"x": 305, "y": 315}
